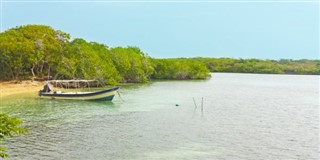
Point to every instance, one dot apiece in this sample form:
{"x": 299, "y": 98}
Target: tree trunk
{"x": 48, "y": 73}
{"x": 32, "y": 71}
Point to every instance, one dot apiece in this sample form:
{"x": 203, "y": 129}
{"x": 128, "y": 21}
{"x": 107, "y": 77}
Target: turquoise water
{"x": 245, "y": 116}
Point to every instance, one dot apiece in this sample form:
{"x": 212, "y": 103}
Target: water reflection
{"x": 245, "y": 117}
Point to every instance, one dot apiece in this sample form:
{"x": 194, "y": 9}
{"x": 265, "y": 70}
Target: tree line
{"x": 282, "y": 66}
{"x": 39, "y": 52}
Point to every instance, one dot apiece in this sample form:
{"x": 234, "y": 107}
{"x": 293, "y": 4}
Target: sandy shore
{"x": 12, "y": 88}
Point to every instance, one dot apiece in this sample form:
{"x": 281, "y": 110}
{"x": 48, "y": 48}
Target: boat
{"x": 104, "y": 94}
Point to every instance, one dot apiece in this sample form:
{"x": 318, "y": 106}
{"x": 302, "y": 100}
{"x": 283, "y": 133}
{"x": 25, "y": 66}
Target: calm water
{"x": 245, "y": 116}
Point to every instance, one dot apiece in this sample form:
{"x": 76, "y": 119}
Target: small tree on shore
{"x": 9, "y": 126}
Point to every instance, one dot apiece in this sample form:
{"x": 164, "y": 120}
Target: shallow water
{"x": 245, "y": 116}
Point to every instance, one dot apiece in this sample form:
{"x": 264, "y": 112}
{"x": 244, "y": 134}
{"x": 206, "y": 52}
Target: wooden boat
{"x": 105, "y": 94}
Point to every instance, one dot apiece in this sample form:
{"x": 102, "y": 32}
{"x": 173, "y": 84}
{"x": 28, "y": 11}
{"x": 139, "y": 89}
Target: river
{"x": 243, "y": 116}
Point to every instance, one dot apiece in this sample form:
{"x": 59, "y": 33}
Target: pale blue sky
{"x": 266, "y": 30}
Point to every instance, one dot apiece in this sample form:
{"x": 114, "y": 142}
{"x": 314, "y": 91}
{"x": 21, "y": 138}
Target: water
{"x": 245, "y": 116}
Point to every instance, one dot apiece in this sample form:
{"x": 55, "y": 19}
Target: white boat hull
{"x": 100, "y": 95}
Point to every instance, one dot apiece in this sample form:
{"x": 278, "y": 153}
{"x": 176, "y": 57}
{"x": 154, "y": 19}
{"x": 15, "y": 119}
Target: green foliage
{"x": 179, "y": 69}
{"x": 132, "y": 64}
{"x": 30, "y": 48}
{"x": 283, "y": 66}
{"x": 9, "y": 126}
{"x": 84, "y": 60}
{"x": 37, "y": 51}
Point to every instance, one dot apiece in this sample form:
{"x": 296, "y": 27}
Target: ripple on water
{"x": 245, "y": 116}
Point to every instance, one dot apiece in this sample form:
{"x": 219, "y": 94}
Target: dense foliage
{"x": 86, "y": 60}
{"x": 180, "y": 68}
{"x": 39, "y": 52}
{"x": 9, "y": 126}
{"x": 132, "y": 64}
{"x": 283, "y": 66}
{"x": 30, "y": 49}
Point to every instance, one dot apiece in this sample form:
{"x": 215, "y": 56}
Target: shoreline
{"x": 11, "y": 88}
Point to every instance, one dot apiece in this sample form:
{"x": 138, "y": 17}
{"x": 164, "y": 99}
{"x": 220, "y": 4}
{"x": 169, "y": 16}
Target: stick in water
{"x": 195, "y": 104}
{"x": 202, "y": 105}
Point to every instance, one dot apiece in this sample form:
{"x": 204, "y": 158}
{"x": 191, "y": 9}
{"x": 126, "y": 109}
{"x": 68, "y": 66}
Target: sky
{"x": 166, "y": 29}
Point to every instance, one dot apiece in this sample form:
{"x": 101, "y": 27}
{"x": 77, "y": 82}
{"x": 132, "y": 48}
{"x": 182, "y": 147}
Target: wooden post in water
{"x": 195, "y": 104}
{"x": 202, "y": 106}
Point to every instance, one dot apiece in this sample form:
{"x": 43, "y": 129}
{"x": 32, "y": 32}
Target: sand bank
{"x": 12, "y": 88}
